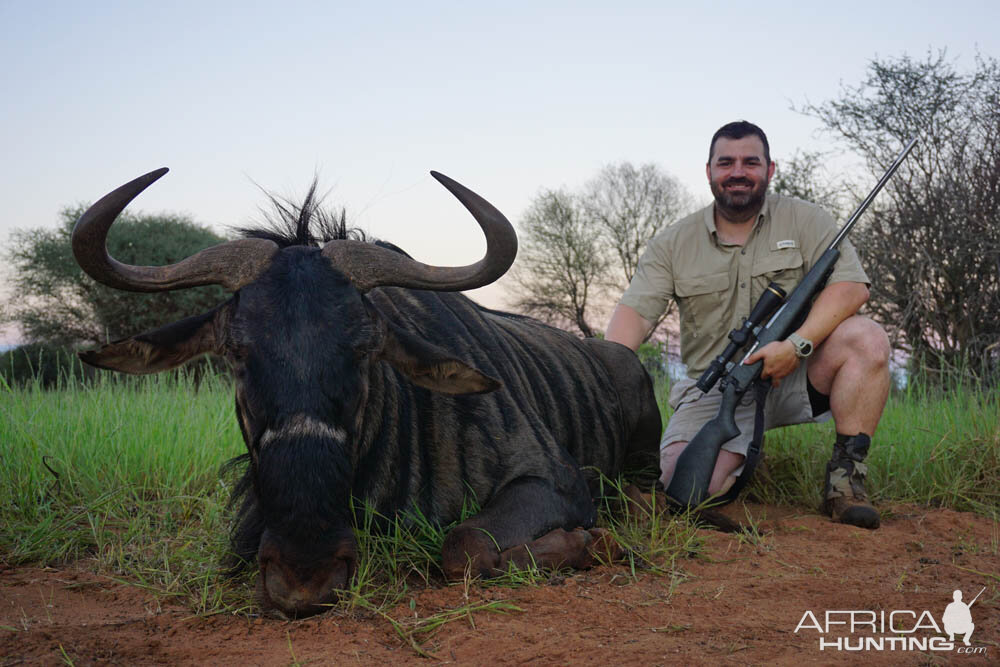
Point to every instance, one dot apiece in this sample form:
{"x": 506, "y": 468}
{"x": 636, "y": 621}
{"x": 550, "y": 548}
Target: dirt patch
{"x": 738, "y": 602}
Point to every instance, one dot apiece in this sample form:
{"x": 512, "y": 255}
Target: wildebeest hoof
{"x": 604, "y": 548}
{"x": 469, "y": 551}
{"x": 554, "y": 550}
{"x": 579, "y": 549}
{"x": 642, "y": 505}
{"x": 660, "y": 503}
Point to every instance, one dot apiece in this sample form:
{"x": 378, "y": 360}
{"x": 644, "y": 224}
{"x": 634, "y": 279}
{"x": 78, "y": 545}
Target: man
{"x": 715, "y": 264}
{"x": 957, "y": 619}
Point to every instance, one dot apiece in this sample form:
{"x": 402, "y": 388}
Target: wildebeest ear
{"x": 160, "y": 349}
{"x": 432, "y": 367}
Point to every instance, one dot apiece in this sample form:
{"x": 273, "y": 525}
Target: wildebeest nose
{"x": 295, "y": 600}
{"x": 303, "y": 591}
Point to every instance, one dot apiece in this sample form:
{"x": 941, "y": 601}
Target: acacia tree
{"x": 55, "y": 302}
{"x": 580, "y": 250}
{"x": 932, "y": 243}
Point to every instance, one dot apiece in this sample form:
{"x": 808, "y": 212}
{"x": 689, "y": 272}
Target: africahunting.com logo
{"x": 898, "y": 630}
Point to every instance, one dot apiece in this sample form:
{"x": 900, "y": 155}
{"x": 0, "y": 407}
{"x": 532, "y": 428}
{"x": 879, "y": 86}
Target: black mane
{"x": 302, "y": 224}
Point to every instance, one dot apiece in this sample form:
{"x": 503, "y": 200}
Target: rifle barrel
{"x": 871, "y": 196}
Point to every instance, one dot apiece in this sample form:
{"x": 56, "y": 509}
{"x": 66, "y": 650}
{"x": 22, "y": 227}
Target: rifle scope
{"x": 769, "y": 301}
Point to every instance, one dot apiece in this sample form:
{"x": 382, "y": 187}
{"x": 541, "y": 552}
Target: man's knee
{"x": 874, "y": 341}
{"x": 860, "y": 337}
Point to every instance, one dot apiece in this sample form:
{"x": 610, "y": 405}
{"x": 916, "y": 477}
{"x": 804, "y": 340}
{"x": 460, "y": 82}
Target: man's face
{"x": 739, "y": 175}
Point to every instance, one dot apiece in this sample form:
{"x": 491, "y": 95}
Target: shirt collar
{"x": 709, "y": 218}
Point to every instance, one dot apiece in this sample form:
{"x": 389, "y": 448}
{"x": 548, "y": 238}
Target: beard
{"x": 739, "y": 204}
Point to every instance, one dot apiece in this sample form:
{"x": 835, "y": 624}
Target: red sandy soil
{"x": 739, "y": 603}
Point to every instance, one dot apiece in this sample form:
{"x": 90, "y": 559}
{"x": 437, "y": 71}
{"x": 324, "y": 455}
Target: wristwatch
{"x": 803, "y": 346}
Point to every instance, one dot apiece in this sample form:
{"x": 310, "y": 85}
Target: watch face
{"x": 803, "y": 347}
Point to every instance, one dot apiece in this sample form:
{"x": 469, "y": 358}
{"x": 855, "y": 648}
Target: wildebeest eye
{"x": 365, "y": 350}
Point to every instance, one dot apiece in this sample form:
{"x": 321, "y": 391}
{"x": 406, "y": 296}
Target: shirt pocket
{"x": 784, "y": 267}
{"x": 701, "y": 298}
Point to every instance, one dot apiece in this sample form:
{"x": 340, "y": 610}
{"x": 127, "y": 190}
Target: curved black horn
{"x": 370, "y": 266}
{"x": 231, "y": 264}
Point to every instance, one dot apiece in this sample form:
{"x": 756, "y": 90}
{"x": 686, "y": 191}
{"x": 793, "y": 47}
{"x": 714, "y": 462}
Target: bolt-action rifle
{"x": 693, "y": 472}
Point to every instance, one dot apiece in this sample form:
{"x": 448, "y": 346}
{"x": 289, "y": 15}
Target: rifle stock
{"x": 693, "y": 472}
{"x": 689, "y": 485}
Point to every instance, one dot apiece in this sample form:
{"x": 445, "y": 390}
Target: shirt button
{"x": 743, "y": 252}
{"x": 743, "y": 285}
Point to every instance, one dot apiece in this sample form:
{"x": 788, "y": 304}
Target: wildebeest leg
{"x": 506, "y": 530}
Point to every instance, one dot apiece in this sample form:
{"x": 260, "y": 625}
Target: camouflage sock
{"x": 846, "y": 472}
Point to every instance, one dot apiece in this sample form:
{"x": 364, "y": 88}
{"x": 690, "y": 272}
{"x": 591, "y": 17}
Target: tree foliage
{"x": 56, "y": 303}
{"x": 580, "y": 250}
{"x": 931, "y": 244}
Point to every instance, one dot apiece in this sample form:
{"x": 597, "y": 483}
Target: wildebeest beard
{"x": 303, "y": 490}
{"x": 304, "y": 483}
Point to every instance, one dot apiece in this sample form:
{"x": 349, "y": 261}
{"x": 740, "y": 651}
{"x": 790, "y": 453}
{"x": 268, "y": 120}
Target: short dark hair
{"x": 737, "y": 130}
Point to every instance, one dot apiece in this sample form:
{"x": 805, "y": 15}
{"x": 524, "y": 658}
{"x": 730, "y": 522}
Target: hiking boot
{"x": 844, "y": 496}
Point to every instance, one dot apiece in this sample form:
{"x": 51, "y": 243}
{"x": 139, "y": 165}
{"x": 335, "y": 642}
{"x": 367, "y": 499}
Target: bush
{"x": 57, "y": 303}
{"x": 52, "y": 366}
{"x": 43, "y": 364}
{"x": 653, "y": 355}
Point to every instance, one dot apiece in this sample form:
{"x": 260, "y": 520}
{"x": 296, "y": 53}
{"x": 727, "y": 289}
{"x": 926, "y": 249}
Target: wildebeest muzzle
{"x": 301, "y": 583}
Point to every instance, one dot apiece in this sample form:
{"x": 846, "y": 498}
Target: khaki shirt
{"x": 716, "y": 284}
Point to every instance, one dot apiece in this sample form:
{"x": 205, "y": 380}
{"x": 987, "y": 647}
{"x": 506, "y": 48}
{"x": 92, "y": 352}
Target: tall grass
{"x": 123, "y": 471}
{"x": 124, "y": 474}
{"x": 935, "y": 445}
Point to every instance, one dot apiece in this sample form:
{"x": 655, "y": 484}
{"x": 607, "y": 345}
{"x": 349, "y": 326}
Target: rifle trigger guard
{"x": 760, "y": 384}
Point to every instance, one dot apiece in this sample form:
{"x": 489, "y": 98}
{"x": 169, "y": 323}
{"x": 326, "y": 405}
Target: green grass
{"x": 124, "y": 476}
{"x": 127, "y": 474}
{"x": 938, "y": 448}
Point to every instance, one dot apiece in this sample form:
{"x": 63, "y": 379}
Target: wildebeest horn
{"x": 369, "y": 265}
{"x": 231, "y": 264}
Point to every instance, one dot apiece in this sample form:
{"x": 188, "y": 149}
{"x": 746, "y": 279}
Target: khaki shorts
{"x": 788, "y": 404}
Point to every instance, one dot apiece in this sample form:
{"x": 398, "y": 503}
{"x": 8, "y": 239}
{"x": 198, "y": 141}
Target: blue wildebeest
{"x": 361, "y": 373}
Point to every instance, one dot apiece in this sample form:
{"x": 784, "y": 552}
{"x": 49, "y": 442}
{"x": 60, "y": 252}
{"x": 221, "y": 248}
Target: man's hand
{"x": 779, "y": 360}
{"x": 835, "y": 303}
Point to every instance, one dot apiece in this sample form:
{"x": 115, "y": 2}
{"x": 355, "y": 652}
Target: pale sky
{"x": 507, "y": 98}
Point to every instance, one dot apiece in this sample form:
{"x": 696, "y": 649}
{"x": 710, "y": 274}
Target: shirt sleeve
{"x": 652, "y": 286}
{"x": 817, "y": 237}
